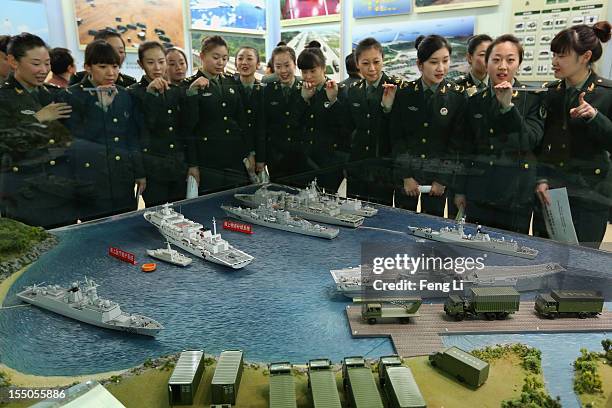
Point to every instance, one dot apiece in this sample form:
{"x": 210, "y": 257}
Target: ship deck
{"x": 422, "y": 335}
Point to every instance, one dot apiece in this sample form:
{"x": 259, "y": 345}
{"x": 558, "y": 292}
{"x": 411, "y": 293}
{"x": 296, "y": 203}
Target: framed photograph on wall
{"x": 300, "y": 12}
{"x": 136, "y": 20}
{"x": 423, "y": 6}
{"x": 380, "y": 8}
{"x": 228, "y": 15}
{"x": 234, "y": 42}
{"x": 24, "y": 15}
{"x": 397, "y": 39}
{"x": 329, "y": 37}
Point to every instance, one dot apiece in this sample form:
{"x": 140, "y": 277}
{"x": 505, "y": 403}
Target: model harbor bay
{"x": 81, "y": 302}
{"x": 480, "y": 241}
{"x": 169, "y": 255}
{"x": 267, "y": 216}
{"x": 193, "y": 238}
{"x": 308, "y": 203}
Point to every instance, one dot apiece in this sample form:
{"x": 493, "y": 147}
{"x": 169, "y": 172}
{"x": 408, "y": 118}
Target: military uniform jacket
{"x": 573, "y": 152}
{"x": 122, "y": 80}
{"x": 425, "y": 136}
{"x": 105, "y": 155}
{"x": 281, "y": 124}
{"x": 255, "y": 130}
{"x": 162, "y": 136}
{"x": 216, "y": 131}
{"x": 499, "y": 147}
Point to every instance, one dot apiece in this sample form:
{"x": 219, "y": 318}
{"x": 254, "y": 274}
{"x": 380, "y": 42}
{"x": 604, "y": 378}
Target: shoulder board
{"x": 341, "y": 85}
{"x": 52, "y": 86}
{"x": 458, "y": 88}
{"x": 357, "y": 83}
{"x": 606, "y": 83}
{"x": 553, "y": 84}
{"x": 128, "y": 77}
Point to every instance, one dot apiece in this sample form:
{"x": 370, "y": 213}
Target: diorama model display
{"x": 347, "y": 205}
{"x": 81, "y": 302}
{"x": 193, "y": 238}
{"x": 374, "y": 309}
{"x": 492, "y": 302}
{"x": 267, "y": 216}
{"x": 481, "y": 240}
{"x": 307, "y": 204}
{"x": 559, "y": 303}
{"x": 169, "y": 255}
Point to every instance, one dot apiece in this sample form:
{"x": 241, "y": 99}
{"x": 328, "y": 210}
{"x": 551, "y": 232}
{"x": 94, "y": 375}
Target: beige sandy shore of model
{"x": 21, "y": 379}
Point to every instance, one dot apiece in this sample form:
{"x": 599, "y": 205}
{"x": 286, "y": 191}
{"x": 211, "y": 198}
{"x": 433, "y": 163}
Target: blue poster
{"x": 19, "y": 16}
{"x": 378, "y": 8}
{"x": 237, "y": 14}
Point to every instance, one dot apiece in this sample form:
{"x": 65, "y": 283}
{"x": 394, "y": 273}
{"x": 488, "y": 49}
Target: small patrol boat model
{"x": 481, "y": 240}
{"x": 81, "y": 302}
{"x": 267, "y": 216}
{"x": 193, "y": 238}
{"x": 169, "y": 255}
{"x": 306, "y": 204}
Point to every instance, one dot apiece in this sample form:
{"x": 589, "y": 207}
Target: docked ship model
{"x": 81, "y": 302}
{"x": 169, "y": 255}
{"x": 193, "y": 238}
{"x": 481, "y": 240}
{"x": 307, "y": 204}
{"x": 350, "y": 282}
{"x": 267, "y": 216}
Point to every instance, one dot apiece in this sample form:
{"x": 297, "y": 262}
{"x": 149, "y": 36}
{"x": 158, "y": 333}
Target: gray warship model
{"x": 526, "y": 278}
{"x": 480, "y": 241}
{"x": 347, "y": 205}
{"x": 81, "y": 302}
{"x": 193, "y": 238}
{"x": 169, "y": 255}
{"x": 306, "y": 204}
{"x": 267, "y": 216}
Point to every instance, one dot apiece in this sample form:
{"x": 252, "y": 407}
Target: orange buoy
{"x": 149, "y": 267}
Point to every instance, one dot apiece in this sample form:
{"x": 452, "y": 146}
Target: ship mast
{"x": 214, "y": 226}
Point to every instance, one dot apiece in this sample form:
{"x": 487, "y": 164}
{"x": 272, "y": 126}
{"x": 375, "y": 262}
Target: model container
{"x": 185, "y": 379}
{"x": 322, "y": 383}
{"x": 374, "y": 309}
{"x": 461, "y": 365}
{"x": 492, "y": 302}
{"x": 583, "y": 303}
{"x": 398, "y": 384}
{"x": 226, "y": 380}
{"x": 282, "y": 386}
{"x": 358, "y": 381}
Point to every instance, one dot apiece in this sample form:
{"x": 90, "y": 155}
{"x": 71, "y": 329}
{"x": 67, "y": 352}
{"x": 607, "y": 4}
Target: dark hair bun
{"x": 281, "y": 43}
{"x": 314, "y": 44}
{"x": 418, "y": 41}
{"x": 602, "y": 31}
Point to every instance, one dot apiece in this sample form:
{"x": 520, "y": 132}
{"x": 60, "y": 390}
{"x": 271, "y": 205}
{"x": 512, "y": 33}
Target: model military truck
{"x": 398, "y": 384}
{"x": 322, "y": 384}
{"x": 491, "y": 302}
{"x": 282, "y": 386}
{"x": 581, "y": 303}
{"x": 462, "y": 365}
{"x": 401, "y": 308}
{"x": 358, "y": 381}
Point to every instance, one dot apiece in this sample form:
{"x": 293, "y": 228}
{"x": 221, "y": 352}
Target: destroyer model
{"x": 306, "y": 204}
{"x": 267, "y": 216}
{"x": 169, "y": 255}
{"x": 81, "y": 302}
{"x": 481, "y": 240}
{"x": 347, "y": 205}
{"x": 193, "y": 238}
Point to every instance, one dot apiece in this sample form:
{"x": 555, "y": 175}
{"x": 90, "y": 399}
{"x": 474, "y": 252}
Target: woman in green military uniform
{"x": 251, "y": 91}
{"x": 284, "y": 153}
{"x": 364, "y": 110}
{"x": 36, "y": 186}
{"x": 327, "y": 152}
{"x": 578, "y": 133}
{"x": 476, "y": 50}
{"x": 161, "y": 139}
{"x": 105, "y": 154}
{"x": 177, "y": 65}
{"x": 219, "y": 144}
{"x": 504, "y": 128}
{"x": 426, "y": 128}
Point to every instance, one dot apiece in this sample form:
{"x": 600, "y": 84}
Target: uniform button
{"x": 248, "y": 111}
{"x": 563, "y": 146}
{"x": 368, "y": 131}
{"x": 311, "y": 116}
{"x": 115, "y": 120}
{"x": 491, "y": 131}
{"x": 52, "y": 162}
{"x": 561, "y": 164}
{"x": 15, "y": 169}
{"x": 423, "y": 156}
{"x": 225, "y": 118}
{"x": 227, "y": 130}
{"x": 367, "y": 147}
{"x": 172, "y": 146}
{"x": 335, "y": 145}
{"x": 311, "y": 142}
{"x": 51, "y": 141}
{"x": 87, "y": 164}
{"x": 205, "y": 139}
{"x": 288, "y": 126}
{"x": 223, "y": 104}
{"x": 171, "y": 128}
{"x": 117, "y": 157}
{"x": 116, "y": 139}
{"x": 423, "y": 140}
{"x": 368, "y": 116}
{"x": 526, "y": 166}
{"x": 250, "y": 124}
{"x": 312, "y": 129}
{"x": 597, "y": 171}
{"x": 490, "y": 163}
{"x": 288, "y": 139}
{"x": 169, "y": 111}
{"x": 145, "y": 150}
{"x": 425, "y": 124}
{"x": 286, "y": 113}
{"x": 491, "y": 147}
{"x": 564, "y": 127}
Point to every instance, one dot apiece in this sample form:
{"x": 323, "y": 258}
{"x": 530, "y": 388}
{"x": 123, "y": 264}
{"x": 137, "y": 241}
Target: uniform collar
{"x": 209, "y": 76}
{"x": 433, "y": 87}
{"x": 290, "y": 85}
{"x": 377, "y": 82}
{"x": 579, "y": 86}
{"x": 477, "y": 81}
{"x": 144, "y": 81}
